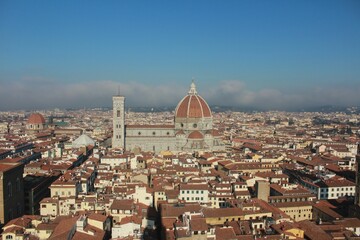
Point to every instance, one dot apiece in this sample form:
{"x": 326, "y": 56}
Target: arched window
{"x": 9, "y": 237}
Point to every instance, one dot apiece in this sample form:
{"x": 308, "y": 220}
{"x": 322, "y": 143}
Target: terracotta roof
{"x": 6, "y": 167}
{"x": 198, "y": 224}
{"x": 195, "y": 135}
{"x": 192, "y": 106}
{"x": 97, "y": 217}
{"x": 36, "y": 118}
{"x": 312, "y": 231}
{"x": 175, "y": 210}
{"x": 225, "y": 233}
{"x": 122, "y": 204}
{"x": 65, "y": 224}
{"x": 222, "y": 212}
{"x": 194, "y": 186}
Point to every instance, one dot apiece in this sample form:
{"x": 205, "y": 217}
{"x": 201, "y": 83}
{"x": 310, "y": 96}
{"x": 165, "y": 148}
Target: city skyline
{"x": 275, "y": 55}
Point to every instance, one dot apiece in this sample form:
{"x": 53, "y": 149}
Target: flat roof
{"x": 7, "y": 166}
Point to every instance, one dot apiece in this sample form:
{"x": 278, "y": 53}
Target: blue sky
{"x": 264, "y": 54}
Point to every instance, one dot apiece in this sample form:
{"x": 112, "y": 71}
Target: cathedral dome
{"x": 195, "y": 135}
{"x": 192, "y": 105}
{"x": 36, "y": 118}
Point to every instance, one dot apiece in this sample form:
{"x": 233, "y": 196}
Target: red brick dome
{"x": 195, "y": 135}
{"x": 192, "y": 106}
{"x": 36, "y": 118}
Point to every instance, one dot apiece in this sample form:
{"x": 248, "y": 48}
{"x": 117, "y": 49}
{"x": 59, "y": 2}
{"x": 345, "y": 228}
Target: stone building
{"x": 192, "y": 129}
{"x": 11, "y": 191}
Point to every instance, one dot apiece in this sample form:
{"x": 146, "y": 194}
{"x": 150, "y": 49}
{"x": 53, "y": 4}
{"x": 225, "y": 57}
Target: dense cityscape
{"x": 222, "y": 175}
{"x": 179, "y": 120}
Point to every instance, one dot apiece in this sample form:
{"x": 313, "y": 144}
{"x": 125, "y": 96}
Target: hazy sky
{"x": 266, "y": 54}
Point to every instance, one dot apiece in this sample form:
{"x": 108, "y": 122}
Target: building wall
{"x": 44, "y": 234}
{"x": 113, "y": 161}
{"x": 192, "y": 124}
{"x": 49, "y": 209}
{"x": 11, "y": 193}
{"x": 298, "y": 213}
{"x": 36, "y": 188}
{"x": 193, "y": 195}
{"x": 63, "y": 190}
{"x": 256, "y": 215}
{"x": 298, "y": 233}
{"x": 336, "y": 192}
{"x": 262, "y": 190}
{"x": 125, "y": 230}
{"x": 155, "y": 144}
{"x": 97, "y": 224}
{"x": 222, "y": 220}
{"x": 142, "y": 196}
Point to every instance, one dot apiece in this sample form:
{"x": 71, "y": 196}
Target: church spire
{"x": 192, "y": 90}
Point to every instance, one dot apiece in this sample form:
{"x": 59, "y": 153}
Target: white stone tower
{"x": 118, "y": 140}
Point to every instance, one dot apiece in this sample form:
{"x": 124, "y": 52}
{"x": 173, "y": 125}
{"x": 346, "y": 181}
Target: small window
{"x": 139, "y": 133}
{"x": 195, "y": 125}
{"x": 154, "y": 133}
{"x": 118, "y": 113}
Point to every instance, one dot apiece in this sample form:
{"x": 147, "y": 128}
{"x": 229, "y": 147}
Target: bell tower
{"x": 118, "y": 139}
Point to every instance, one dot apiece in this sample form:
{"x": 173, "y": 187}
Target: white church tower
{"x": 118, "y": 140}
